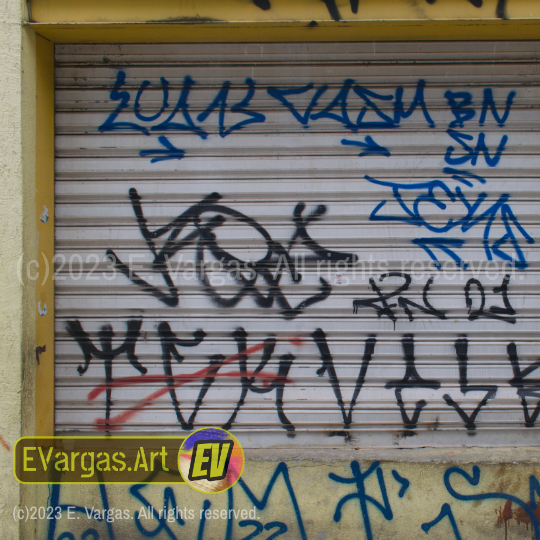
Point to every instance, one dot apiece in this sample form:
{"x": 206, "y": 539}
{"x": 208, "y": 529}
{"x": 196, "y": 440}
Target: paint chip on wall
{"x": 44, "y": 217}
{"x": 43, "y": 311}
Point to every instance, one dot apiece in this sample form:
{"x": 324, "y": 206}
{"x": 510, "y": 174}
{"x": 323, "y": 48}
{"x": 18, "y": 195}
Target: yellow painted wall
{"x": 44, "y": 219}
{"x": 104, "y": 11}
{"x": 123, "y": 21}
{"x": 18, "y": 245}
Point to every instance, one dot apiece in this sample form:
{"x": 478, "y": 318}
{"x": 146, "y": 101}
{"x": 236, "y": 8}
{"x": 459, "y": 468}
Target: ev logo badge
{"x": 211, "y": 460}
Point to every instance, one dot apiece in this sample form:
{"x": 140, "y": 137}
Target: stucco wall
{"x": 17, "y": 204}
{"x": 323, "y": 495}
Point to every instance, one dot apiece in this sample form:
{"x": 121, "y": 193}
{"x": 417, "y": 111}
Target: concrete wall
{"x": 324, "y": 495}
{"x": 17, "y": 211}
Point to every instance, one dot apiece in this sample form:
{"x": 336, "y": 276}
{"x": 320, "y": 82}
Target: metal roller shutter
{"x": 309, "y": 244}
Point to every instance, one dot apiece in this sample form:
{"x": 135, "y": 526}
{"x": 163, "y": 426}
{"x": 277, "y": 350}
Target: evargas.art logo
{"x": 211, "y": 460}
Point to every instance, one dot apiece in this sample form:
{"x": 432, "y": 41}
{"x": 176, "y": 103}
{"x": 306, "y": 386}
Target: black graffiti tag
{"x": 386, "y": 309}
{"x": 462, "y": 347}
{"x": 107, "y": 352}
{"x": 333, "y": 10}
{"x": 204, "y": 239}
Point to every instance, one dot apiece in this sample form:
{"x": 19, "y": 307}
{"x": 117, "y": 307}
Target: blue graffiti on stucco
{"x": 474, "y": 480}
{"x": 359, "y": 478}
{"x": 163, "y": 513}
{"x": 403, "y": 481}
{"x": 54, "y": 502}
{"x": 534, "y": 489}
{"x": 89, "y": 534}
{"x": 446, "y": 511}
{"x": 202, "y": 522}
{"x": 253, "y": 528}
{"x": 281, "y": 528}
{"x": 162, "y": 517}
{"x": 261, "y": 504}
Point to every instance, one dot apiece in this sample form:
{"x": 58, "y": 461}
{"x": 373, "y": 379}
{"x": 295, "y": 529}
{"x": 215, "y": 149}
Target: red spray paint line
{"x": 131, "y": 412}
{"x": 148, "y": 379}
{"x": 180, "y": 380}
{"x": 4, "y": 444}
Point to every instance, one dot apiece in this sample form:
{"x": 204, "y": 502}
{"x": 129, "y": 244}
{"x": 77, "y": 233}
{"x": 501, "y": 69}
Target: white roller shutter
{"x": 311, "y": 244}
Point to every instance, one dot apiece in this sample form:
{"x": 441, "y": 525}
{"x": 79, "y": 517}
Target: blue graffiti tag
{"x": 388, "y": 111}
{"x": 370, "y": 147}
{"x": 446, "y": 511}
{"x": 170, "y": 152}
{"x": 137, "y": 106}
{"x": 123, "y": 96}
{"x": 460, "y": 109}
{"x": 281, "y": 528}
{"x": 240, "y": 107}
{"x": 418, "y": 101}
{"x": 473, "y": 153}
{"x": 219, "y": 105}
{"x": 474, "y": 479}
{"x": 534, "y": 489}
{"x": 489, "y": 103}
{"x": 469, "y": 218}
{"x": 161, "y": 515}
{"x": 359, "y": 478}
{"x": 282, "y": 470}
{"x": 403, "y": 481}
{"x": 182, "y": 106}
{"x": 280, "y": 94}
{"x": 54, "y": 502}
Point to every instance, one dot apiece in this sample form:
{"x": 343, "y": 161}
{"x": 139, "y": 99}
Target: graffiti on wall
{"x": 265, "y": 271}
{"x": 368, "y": 496}
{"x": 464, "y": 149}
{"x": 278, "y": 382}
{"x": 335, "y": 14}
{"x": 277, "y": 282}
